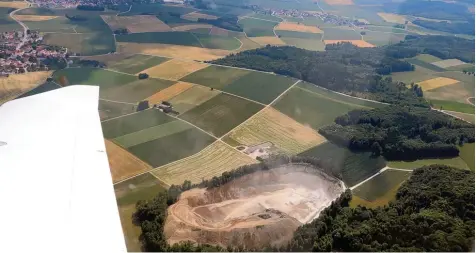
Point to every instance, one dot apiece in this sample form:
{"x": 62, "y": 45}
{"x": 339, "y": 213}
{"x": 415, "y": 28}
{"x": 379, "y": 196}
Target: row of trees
{"x": 342, "y": 67}
{"x": 449, "y": 27}
{"x": 433, "y": 211}
{"x": 225, "y": 22}
{"x": 400, "y": 133}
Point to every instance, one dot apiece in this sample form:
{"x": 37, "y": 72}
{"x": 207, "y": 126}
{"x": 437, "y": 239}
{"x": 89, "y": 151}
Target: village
{"x": 32, "y": 56}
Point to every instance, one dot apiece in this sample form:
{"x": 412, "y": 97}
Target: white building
{"x": 55, "y": 184}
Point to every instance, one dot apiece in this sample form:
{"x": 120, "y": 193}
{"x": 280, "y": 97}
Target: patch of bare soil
{"x": 253, "y": 211}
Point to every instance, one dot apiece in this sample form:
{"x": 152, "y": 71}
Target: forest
{"x": 225, "y": 22}
{"x": 433, "y": 211}
{"x": 444, "y": 26}
{"x": 400, "y": 133}
{"x": 430, "y": 9}
{"x": 342, "y": 67}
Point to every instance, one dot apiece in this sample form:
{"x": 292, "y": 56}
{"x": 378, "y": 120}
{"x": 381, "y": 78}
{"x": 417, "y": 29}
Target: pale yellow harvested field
{"x": 122, "y": 163}
{"x": 14, "y": 4}
{"x": 192, "y": 97}
{"x": 17, "y": 84}
{"x": 291, "y": 26}
{"x": 392, "y": 18}
{"x": 247, "y": 43}
{"x": 339, "y": 2}
{"x": 219, "y": 31}
{"x": 190, "y": 27}
{"x": 172, "y": 51}
{"x": 436, "y": 83}
{"x": 174, "y": 69}
{"x": 169, "y": 92}
{"x": 194, "y": 16}
{"x": 271, "y": 40}
{"x": 211, "y": 161}
{"x": 136, "y": 24}
{"x": 284, "y": 132}
{"x": 34, "y": 17}
{"x": 359, "y": 43}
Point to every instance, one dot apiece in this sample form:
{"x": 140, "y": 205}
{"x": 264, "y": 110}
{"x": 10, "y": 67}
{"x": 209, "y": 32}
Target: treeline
{"x": 444, "y": 47}
{"x": 90, "y": 7}
{"x": 75, "y": 17}
{"x": 400, "y": 133}
{"x": 431, "y": 9}
{"x": 226, "y": 22}
{"x": 433, "y": 211}
{"x": 151, "y": 215}
{"x": 342, "y": 67}
{"x": 453, "y": 27}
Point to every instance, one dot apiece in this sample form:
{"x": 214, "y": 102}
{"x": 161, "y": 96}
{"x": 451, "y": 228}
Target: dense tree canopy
{"x": 449, "y": 27}
{"x": 342, "y": 67}
{"x": 402, "y": 133}
{"x": 433, "y": 211}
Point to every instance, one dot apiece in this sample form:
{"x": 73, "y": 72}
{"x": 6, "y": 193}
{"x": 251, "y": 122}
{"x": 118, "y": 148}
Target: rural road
{"x": 25, "y": 28}
{"x": 376, "y": 174}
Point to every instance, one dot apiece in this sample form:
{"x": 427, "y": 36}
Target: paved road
{"x": 25, "y": 28}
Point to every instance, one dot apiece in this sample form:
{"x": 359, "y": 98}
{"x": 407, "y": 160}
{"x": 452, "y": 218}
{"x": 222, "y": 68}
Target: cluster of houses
{"x": 74, "y": 3}
{"x": 32, "y": 56}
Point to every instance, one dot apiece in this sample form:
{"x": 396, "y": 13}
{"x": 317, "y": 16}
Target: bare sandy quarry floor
{"x": 263, "y": 208}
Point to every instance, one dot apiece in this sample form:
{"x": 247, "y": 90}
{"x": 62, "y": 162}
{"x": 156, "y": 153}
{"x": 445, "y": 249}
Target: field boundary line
{"x": 237, "y": 49}
{"x": 272, "y": 73}
{"x": 160, "y": 180}
{"x": 119, "y": 102}
{"x": 367, "y": 179}
{"x": 231, "y": 94}
{"x": 197, "y": 39}
{"x": 467, "y": 100}
{"x": 408, "y": 170}
{"x": 335, "y": 100}
{"x": 117, "y": 15}
{"x": 261, "y": 19}
{"x": 124, "y": 115}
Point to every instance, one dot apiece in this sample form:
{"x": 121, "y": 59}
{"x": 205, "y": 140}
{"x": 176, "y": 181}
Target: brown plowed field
{"x": 169, "y": 92}
{"x": 259, "y": 209}
{"x": 122, "y": 163}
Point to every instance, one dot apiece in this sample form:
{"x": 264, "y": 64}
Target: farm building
{"x": 55, "y": 175}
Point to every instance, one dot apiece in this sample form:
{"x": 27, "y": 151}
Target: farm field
{"x": 134, "y": 122}
{"x": 135, "y": 63}
{"x": 448, "y": 63}
{"x": 271, "y": 40}
{"x": 169, "y": 92}
{"x": 455, "y": 162}
{"x": 152, "y": 133}
{"x": 270, "y": 125}
{"x": 378, "y": 186}
{"x": 467, "y": 79}
{"x": 211, "y": 161}
{"x": 354, "y": 167}
{"x": 257, "y": 27}
{"x": 452, "y": 106}
{"x": 35, "y": 18}
{"x": 135, "y": 91}
{"x": 247, "y": 44}
{"x": 93, "y": 76}
{"x": 427, "y": 58}
{"x": 467, "y": 66}
{"x": 108, "y": 110}
{"x": 216, "y": 77}
{"x": 420, "y": 74}
{"x": 266, "y": 17}
{"x": 457, "y": 92}
{"x": 174, "y": 69}
{"x": 61, "y": 24}
{"x": 436, "y": 83}
{"x": 194, "y": 16}
{"x": 467, "y": 153}
{"x": 16, "y": 84}
{"x": 84, "y": 43}
{"x": 392, "y": 18}
{"x": 136, "y": 24}
{"x": 221, "y": 113}
{"x": 382, "y": 39}
{"x": 7, "y": 24}
{"x": 123, "y": 165}
{"x": 313, "y": 45}
{"x": 194, "y": 28}
{"x": 13, "y": 4}
{"x": 359, "y": 43}
{"x": 44, "y": 87}
{"x": 260, "y": 87}
{"x": 426, "y": 65}
{"x": 340, "y": 34}
{"x": 218, "y": 42}
{"x": 172, "y": 147}
{"x": 296, "y": 27}
{"x": 174, "y": 38}
{"x": 464, "y": 116}
{"x": 143, "y": 187}
{"x": 172, "y": 51}
{"x": 192, "y": 97}
{"x": 300, "y": 35}
{"x": 304, "y": 100}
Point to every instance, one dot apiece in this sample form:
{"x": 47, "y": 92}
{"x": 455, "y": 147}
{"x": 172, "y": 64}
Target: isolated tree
{"x": 143, "y": 76}
{"x": 143, "y": 105}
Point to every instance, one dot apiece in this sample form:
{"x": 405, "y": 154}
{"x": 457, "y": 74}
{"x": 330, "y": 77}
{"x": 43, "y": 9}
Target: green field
{"x": 155, "y": 9}
{"x": 387, "y": 29}
{"x": 83, "y": 43}
{"x": 152, "y": 133}
{"x": 468, "y": 67}
{"x": 340, "y": 34}
{"x": 313, "y": 45}
{"x": 467, "y": 153}
{"x": 382, "y": 39}
{"x": 135, "y": 63}
{"x": 200, "y": 30}
{"x": 314, "y": 22}
{"x": 172, "y": 20}
{"x": 218, "y": 42}
{"x": 174, "y": 38}
{"x": 264, "y": 16}
{"x": 47, "y": 86}
{"x": 378, "y": 186}
{"x": 135, "y": 91}
{"x": 420, "y": 74}
{"x": 221, "y": 113}
{"x": 260, "y": 87}
{"x": 354, "y": 167}
{"x": 192, "y": 97}
{"x": 468, "y": 79}
{"x": 216, "y": 77}
{"x": 94, "y": 76}
{"x": 317, "y": 107}
{"x": 93, "y": 24}
{"x": 457, "y": 92}
{"x": 452, "y": 106}
{"x": 109, "y": 110}
{"x": 172, "y": 147}
{"x": 133, "y": 123}
{"x": 424, "y": 64}
{"x": 427, "y": 58}
{"x": 256, "y": 27}
{"x": 300, "y": 35}
{"x": 455, "y": 162}
{"x": 6, "y": 23}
